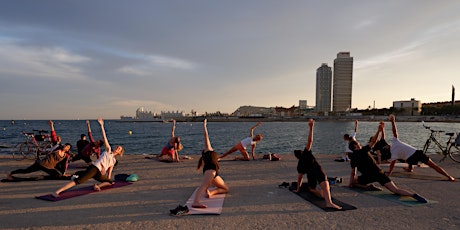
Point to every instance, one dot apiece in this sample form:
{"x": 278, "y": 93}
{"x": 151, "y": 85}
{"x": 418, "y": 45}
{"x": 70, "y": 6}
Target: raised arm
{"x": 104, "y": 136}
{"x": 207, "y": 143}
{"x": 251, "y": 133}
{"x": 173, "y": 128}
{"x": 376, "y": 136}
{"x": 383, "y": 130}
{"x": 393, "y": 125}
{"x": 90, "y": 134}
{"x": 54, "y": 138}
{"x": 311, "y": 124}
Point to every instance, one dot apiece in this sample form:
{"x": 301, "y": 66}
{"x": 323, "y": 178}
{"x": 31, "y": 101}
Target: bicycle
{"x": 452, "y": 148}
{"x": 35, "y": 146}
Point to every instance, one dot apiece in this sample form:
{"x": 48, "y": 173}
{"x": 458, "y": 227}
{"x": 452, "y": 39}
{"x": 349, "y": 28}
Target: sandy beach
{"x": 255, "y": 201}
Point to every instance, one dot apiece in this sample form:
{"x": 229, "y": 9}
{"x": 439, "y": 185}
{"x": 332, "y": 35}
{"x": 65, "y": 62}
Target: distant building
{"x": 253, "y": 111}
{"x": 323, "y": 88}
{"x": 142, "y": 114}
{"x": 342, "y": 82}
{"x": 412, "y": 107}
{"x": 302, "y": 104}
{"x": 169, "y": 115}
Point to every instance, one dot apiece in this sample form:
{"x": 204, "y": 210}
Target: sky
{"x": 65, "y": 59}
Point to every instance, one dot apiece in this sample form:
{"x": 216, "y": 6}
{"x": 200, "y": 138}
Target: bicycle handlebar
{"x": 40, "y": 131}
{"x": 432, "y": 130}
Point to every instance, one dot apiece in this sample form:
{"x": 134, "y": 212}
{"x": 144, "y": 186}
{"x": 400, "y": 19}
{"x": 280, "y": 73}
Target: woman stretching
{"x": 210, "y": 172}
{"x": 170, "y": 152}
{"x": 243, "y": 144}
{"x": 308, "y": 165}
{"x": 101, "y": 169}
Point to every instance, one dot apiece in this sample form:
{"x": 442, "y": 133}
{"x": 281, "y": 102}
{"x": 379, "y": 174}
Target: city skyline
{"x": 88, "y": 59}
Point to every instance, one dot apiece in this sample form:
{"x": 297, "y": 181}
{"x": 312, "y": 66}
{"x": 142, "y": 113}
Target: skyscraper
{"x": 323, "y": 88}
{"x": 342, "y": 82}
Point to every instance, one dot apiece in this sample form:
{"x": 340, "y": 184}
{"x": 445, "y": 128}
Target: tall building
{"x": 323, "y": 88}
{"x": 342, "y": 82}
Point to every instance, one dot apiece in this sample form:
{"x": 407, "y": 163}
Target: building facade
{"x": 410, "y": 108}
{"x": 342, "y": 82}
{"x": 323, "y": 88}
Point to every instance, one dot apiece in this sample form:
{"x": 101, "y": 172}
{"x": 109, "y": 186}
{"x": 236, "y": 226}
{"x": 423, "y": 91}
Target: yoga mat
{"x": 387, "y": 195}
{"x": 414, "y": 175}
{"x": 317, "y": 201}
{"x": 20, "y": 179}
{"x": 80, "y": 192}
{"x": 214, "y": 205}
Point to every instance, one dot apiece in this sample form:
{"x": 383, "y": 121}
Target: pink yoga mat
{"x": 80, "y": 192}
{"x": 214, "y": 205}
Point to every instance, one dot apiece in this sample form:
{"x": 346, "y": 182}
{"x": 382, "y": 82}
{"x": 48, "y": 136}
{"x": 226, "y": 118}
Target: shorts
{"x": 378, "y": 177}
{"x": 167, "y": 151}
{"x": 315, "y": 176}
{"x": 418, "y": 156}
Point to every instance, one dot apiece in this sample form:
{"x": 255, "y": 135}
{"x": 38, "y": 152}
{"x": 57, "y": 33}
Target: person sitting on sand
{"x": 362, "y": 161}
{"x": 48, "y": 164}
{"x": 210, "y": 164}
{"x": 93, "y": 147}
{"x": 401, "y": 150}
{"x": 241, "y": 146}
{"x": 171, "y": 150}
{"x": 101, "y": 169}
{"x": 307, "y": 164}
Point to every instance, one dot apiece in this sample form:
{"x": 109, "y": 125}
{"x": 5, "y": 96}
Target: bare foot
{"x": 408, "y": 170}
{"x": 9, "y": 177}
{"x": 54, "y": 194}
{"x": 451, "y": 179}
{"x": 334, "y": 206}
{"x": 199, "y": 206}
{"x": 96, "y": 187}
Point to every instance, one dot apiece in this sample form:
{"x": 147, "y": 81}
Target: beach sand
{"x": 255, "y": 201}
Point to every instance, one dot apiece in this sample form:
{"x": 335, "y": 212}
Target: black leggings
{"x": 91, "y": 172}
{"x": 37, "y": 167}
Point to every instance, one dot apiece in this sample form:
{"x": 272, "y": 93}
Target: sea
{"x": 278, "y": 137}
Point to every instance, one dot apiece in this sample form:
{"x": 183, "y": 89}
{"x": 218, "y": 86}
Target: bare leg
{"x": 221, "y": 187}
{"x": 233, "y": 149}
{"x": 98, "y": 187}
{"x": 327, "y": 195}
{"x": 393, "y": 188}
{"x": 207, "y": 179}
{"x": 65, "y": 187}
{"x": 439, "y": 169}
{"x": 245, "y": 154}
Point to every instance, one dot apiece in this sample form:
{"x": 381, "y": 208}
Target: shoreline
{"x": 401, "y": 118}
{"x": 255, "y": 201}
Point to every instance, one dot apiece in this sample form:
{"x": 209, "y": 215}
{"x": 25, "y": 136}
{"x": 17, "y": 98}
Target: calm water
{"x": 279, "y": 137}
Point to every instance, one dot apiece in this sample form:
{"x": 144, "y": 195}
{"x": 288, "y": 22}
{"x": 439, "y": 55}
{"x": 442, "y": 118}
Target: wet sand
{"x": 255, "y": 201}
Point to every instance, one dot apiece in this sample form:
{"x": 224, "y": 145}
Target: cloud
{"x": 363, "y": 24}
{"x": 149, "y": 64}
{"x": 36, "y": 61}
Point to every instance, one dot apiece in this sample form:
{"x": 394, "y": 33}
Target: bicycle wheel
{"x": 454, "y": 153}
{"x": 31, "y": 152}
{"x": 44, "y": 149}
{"x": 18, "y": 152}
{"x": 426, "y": 146}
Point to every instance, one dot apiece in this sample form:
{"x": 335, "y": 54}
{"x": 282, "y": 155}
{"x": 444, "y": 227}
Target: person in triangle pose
{"x": 209, "y": 162}
{"x": 307, "y": 164}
